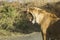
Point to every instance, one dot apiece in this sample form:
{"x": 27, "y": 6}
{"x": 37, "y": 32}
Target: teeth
{"x": 33, "y": 21}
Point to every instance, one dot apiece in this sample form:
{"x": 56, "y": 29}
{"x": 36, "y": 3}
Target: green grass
{"x": 14, "y": 22}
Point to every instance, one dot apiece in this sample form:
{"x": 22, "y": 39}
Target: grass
{"x": 12, "y": 21}
{"x": 8, "y": 33}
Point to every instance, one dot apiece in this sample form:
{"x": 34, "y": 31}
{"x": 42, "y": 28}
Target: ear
{"x": 30, "y": 9}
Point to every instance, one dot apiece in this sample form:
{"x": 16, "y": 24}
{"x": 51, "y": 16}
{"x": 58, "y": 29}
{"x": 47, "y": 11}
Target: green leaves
{"x": 7, "y": 16}
{"x": 12, "y": 17}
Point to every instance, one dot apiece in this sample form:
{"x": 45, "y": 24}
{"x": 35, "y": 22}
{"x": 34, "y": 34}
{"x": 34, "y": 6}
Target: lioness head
{"x": 40, "y": 15}
{"x": 37, "y": 14}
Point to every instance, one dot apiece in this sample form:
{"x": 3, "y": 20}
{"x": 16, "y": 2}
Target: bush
{"x": 13, "y": 19}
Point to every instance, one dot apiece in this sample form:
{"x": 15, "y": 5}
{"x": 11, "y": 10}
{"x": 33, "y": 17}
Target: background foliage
{"x": 12, "y": 19}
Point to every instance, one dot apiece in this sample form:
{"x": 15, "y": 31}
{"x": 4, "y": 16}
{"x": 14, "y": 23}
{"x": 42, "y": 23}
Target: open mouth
{"x": 28, "y": 15}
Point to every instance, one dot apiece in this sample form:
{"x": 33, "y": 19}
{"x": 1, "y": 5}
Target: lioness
{"x": 43, "y": 18}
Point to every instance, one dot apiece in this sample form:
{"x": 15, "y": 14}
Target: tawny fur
{"x": 43, "y": 18}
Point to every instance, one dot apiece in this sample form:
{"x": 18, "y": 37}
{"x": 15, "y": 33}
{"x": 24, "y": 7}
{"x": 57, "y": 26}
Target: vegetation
{"x": 10, "y": 17}
{"x": 13, "y": 20}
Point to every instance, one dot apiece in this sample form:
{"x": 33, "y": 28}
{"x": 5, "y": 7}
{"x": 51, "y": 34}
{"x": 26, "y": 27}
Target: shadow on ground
{"x": 28, "y": 28}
